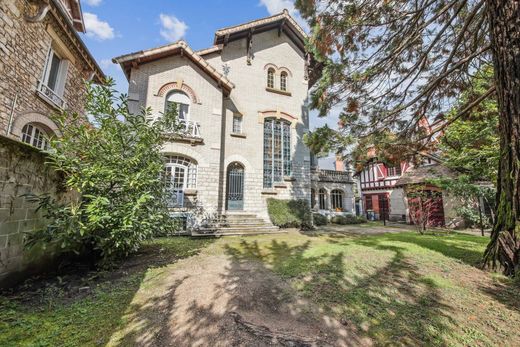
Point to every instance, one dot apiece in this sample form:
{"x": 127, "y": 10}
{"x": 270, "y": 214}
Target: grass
{"x": 395, "y": 289}
{"x": 49, "y": 317}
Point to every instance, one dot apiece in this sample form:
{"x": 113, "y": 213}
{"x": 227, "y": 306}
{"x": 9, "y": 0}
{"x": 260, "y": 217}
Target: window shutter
{"x": 62, "y": 77}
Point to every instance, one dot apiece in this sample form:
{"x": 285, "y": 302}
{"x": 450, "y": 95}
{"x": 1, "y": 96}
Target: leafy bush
{"x": 320, "y": 219}
{"x": 290, "y": 213}
{"x": 113, "y": 168}
{"x": 348, "y": 219}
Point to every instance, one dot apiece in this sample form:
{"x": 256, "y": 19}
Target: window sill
{"x": 190, "y": 192}
{"x": 49, "y": 101}
{"x": 240, "y": 135}
{"x": 289, "y": 179}
{"x": 278, "y": 91}
{"x": 269, "y": 192}
{"x": 280, "y": 185}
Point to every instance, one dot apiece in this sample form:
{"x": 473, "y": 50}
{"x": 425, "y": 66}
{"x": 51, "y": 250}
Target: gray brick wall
{"x": 22, "y": 171}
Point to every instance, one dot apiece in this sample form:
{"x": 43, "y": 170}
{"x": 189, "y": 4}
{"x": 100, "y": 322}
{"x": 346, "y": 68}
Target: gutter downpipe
{"x": 10, "y": 124}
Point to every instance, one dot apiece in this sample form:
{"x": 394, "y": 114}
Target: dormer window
{"x": 283, "y": 81}
{"x": 270, "y": 78}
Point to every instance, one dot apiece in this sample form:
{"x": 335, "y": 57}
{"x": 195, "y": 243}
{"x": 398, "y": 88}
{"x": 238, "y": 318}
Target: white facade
{"x": 242, "y": 128}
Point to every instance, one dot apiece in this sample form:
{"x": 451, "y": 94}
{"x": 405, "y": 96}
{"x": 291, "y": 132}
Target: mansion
{"x": 243, "y": 105}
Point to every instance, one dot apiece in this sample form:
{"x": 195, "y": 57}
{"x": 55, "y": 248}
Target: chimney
{"x": 339, "y": 165}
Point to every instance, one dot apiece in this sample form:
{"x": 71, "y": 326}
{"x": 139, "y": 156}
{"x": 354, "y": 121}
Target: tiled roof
{"x": 152, "y": 54}
{"x": 421, "y": 174}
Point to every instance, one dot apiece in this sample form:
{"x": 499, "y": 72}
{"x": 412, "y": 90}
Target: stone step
{"x": 225, "y": 232}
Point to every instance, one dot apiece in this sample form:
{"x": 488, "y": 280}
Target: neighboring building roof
{"x": 71, "y": 20}
{"x": 128, "y": 61}
{"x": 283, "y": 21}
{"x": 421, "y": 174}
{"x": 209, "y": 50}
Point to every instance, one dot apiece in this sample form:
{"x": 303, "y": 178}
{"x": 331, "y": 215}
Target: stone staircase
{"x": 238, "y": 224}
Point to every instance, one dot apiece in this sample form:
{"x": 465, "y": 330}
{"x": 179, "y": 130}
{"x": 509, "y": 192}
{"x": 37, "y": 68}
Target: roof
{"x": 130, "y": 60}
{"x": 283, "y": 21}
{"x": 74, "y": 22}
{"x": 424, "y": 173}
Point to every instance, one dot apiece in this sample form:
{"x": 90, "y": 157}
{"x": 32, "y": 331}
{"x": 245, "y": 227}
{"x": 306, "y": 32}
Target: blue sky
{"x": 116, "y": 27}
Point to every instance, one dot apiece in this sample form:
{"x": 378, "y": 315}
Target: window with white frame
{"x": 394, "y": 170}
{"x": 52, "y": 84}
{"x": 181, "y": 101}
{"x": 237, "y": 124}
{"x": 336, "y": 199}
{"x": 322, "y": 199}
{"x": 283, "y": 81}
{"x": 270, "y": 78}
{"x": 35, "y": 136}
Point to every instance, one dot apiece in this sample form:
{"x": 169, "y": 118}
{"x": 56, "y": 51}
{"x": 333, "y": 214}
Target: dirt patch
{"x": 215, "y": 300}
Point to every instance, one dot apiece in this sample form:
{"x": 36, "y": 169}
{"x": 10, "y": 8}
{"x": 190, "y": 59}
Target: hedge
{"x": 290, "y": 213}
{"x": 348, "y": 219}
{"x": 320, "y": 219}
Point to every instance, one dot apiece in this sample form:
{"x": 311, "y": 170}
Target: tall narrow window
{"x": 283, "y": 81}
{"x": 322, "y": 199}
{"x": 270, "y": 78}
{"x": 336, "y": 197}
{"x": 277, "y": 151}
{"x": 52, "y": 84}
{"x": 237, "y": 124}
{"x": 35, "y": 136}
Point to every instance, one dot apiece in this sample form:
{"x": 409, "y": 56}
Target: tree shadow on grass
{"x": 392, "y": 304}
{"x": 60, "y": 313}
{"x": 464, "y": 248}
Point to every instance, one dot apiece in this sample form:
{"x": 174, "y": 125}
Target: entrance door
{"x": 176, "y": 182}
{"x": 235, "y": 187}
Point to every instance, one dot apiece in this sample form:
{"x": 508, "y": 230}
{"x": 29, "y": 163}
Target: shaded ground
{"x": 341, "y": 286}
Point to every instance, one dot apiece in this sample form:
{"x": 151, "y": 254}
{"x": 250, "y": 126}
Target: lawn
{"x": 387, "y": 289}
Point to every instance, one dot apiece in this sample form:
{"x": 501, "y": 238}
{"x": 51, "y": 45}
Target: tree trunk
{"x": 504, "y": 246}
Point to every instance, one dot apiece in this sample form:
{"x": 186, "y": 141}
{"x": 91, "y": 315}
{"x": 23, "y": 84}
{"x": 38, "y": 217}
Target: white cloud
{"x": 172, "y": 28}
{"x": 277, "y": 6}
{"x": 93, "y": 2}
{"x": 97, "y": 28}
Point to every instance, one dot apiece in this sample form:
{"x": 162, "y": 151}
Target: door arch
{"x": 235, "y": 187}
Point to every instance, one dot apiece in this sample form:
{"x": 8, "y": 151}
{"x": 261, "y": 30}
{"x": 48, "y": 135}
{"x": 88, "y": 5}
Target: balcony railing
{"x": 186, "y": 129}
{"x": 331, "y": 176}
{"x": 50, "y": 95}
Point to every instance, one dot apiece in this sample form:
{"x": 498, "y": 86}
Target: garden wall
{"x": 22, "y": 171}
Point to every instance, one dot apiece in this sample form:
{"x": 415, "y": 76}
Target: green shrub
{"x": 348, "y": 219}
{"x": 320, "y": 219}
{"x": 290, "y": 213}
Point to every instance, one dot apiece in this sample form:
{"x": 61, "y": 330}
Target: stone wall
{"x": 22, "y": 171}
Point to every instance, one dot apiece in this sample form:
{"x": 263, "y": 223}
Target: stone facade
{"x": 29, "y": 30}
{"x": 225, "y": 83}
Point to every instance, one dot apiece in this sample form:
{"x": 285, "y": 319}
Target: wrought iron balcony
{"x": 331, "y": 176}
{"x": 50, "y": 95}
{"x": 186, "y": 130}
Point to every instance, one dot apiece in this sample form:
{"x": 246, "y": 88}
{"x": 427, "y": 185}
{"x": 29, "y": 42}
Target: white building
{"x": 243, "y": 102}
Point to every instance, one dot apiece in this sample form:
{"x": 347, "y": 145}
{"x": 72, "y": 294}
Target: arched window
{"x": 336, "y": 197}
{"x": 322, "y": 197}
{"x": 35, "y": 136}
{"x": 283, "y": 81}
{"x": 186, "y": 169}
{"x": 182, "y": 101}
{"x": 270, "y": 78}
{"x": 277, "y": 151}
